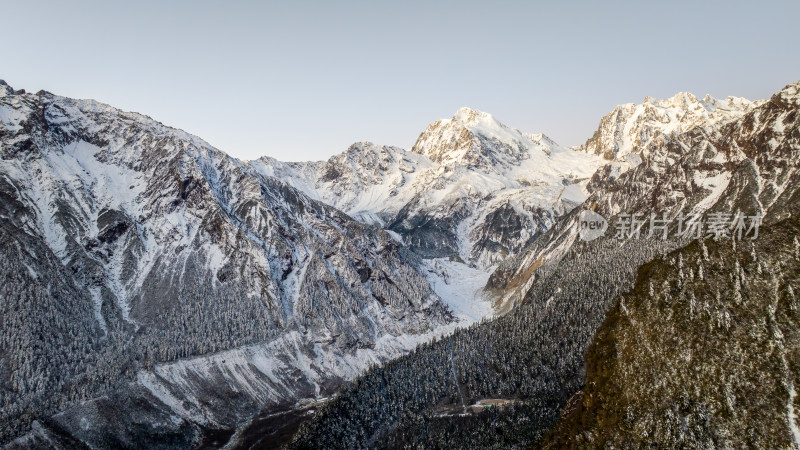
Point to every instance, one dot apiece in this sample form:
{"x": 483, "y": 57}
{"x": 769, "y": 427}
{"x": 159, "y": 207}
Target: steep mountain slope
{"x": 533, "y": 358}
{"x": 702, "y": 353}
{"x": 171, "y": 285}
{"x": 471, "y": 188}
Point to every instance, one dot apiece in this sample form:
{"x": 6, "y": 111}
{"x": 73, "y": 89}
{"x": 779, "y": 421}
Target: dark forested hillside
{"x": 704, "y": 352}
{"x": 533, "y": 356}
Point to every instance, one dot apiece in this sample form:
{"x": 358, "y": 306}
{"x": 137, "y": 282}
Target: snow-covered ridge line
{"x": 637, "y": 128}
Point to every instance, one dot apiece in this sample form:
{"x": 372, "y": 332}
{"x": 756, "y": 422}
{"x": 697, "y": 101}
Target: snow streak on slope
{"x": 461, "y": 287}
{"x": 793, "y": 417}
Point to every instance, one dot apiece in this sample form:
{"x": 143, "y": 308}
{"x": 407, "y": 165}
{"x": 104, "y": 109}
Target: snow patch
{"x": 716, "y": 184}
{"x": 97, "y": 300}
{"x": 460, "y": 287}
{"x": 793, "y": 417}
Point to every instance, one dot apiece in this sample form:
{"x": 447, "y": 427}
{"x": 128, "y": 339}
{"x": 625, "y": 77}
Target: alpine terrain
{"x": 158, "y": 293}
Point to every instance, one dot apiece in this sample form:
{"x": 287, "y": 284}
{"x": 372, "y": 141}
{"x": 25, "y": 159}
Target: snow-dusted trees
{"x": 533, "y": 356}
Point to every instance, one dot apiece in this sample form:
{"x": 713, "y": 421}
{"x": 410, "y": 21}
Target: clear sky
{"x": 303, "y": 80}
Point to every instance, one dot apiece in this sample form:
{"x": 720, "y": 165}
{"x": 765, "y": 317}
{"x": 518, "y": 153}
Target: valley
{"x": 159, "y": 292}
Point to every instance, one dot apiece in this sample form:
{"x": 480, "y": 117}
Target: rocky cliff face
{"x": 631, "y": 128}
{"x": 473, "y": 139}
{"x": 628, "y": 133}
{"x": 143, "y": 265}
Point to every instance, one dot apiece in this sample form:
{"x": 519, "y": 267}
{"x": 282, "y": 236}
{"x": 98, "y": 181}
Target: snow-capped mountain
{"x": 151, "y": 278}
{"x": 745, "y": 165}
{"x": 475, "y": 139}
{"x": 471, "y": 188}
{"x": 630, "y": 131}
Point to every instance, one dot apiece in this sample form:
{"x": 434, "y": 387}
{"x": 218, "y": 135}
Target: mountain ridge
{"x": 707, "y": 300}
{"x": 172, "y": 252}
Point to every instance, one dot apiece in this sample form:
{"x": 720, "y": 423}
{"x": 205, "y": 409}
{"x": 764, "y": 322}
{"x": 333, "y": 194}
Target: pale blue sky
{"x": 303, "y": 80}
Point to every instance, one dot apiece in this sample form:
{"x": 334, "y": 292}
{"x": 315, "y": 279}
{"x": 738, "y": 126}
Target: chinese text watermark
{"x": 714, "y": 225}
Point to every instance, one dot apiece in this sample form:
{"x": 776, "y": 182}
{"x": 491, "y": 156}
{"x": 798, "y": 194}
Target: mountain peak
{"x": 631, "y": 128}
{"x": 469, "y": 115}
{"x": 476, "y": 140}
{"x": 360, "y": 145}
{"x": 789, "y": 95}
{"x": 5, "y": 89}
{"x": 471, "y": 138}
{"x": 478, "y": 121}
{"x": 679, "y": 100}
